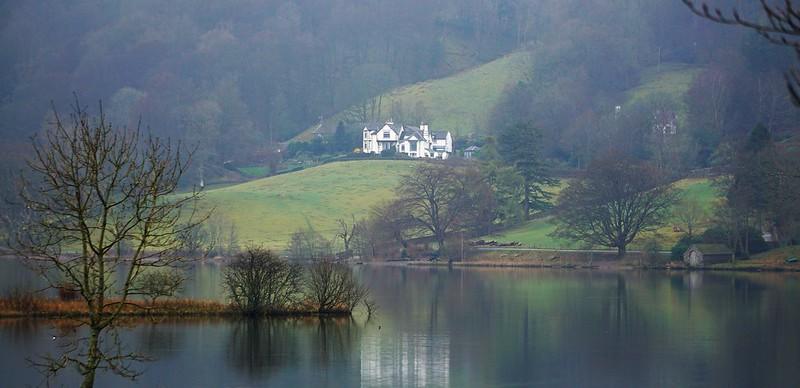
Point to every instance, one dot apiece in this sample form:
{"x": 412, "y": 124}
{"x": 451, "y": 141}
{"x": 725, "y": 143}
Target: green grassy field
{"x": 461, "y": 103}
{"x": 267, "y": 211}
{"x": 536, "y": 233}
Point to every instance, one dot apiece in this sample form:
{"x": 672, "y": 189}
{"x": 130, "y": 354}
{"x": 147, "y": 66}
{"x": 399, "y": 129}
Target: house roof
{"x": 711, "y": 249}
{"x": 439, "y": 135}
{"x": 409, "y": 132}
{"x": 373, "y": 127}
{"x": 472, "y": 148}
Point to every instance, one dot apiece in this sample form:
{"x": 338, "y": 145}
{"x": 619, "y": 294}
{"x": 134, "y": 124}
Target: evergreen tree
{"x": 520, "y": 147}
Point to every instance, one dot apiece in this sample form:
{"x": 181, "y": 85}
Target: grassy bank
{"x": 34, "y": 307}
{"x": 536, "y": 233}
{"x": 267, "y": 211}
{"x": 771, "y": 261}
{"x": 27, "y": 306}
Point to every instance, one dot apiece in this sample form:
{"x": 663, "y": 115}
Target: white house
{"x": 416, "y": 142}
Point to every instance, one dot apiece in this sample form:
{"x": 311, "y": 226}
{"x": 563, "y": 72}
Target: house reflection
{"x": 405, "y": 360}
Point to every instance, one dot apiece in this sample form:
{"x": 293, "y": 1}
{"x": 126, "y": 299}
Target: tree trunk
{"x": 93, "y": 359}
{"x": 621, "y": 250}
{"x": 526, "y": 205}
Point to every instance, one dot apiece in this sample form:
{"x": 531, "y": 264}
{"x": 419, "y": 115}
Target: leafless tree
{"x": 308, "y": 244}
{"x": 92, "y": 189}
{"x": 333, "y": 288}
{"x": 616, "y": 199}
{"x": 781, "y": 26}
{"x": 690, "y": 212}
{"x": 436, "y": 198}
{"x": 392, "y": 221}
{"x": 259, "y": 282}
{"x": 157, "y": 283}
{"x": 346, "y": 232}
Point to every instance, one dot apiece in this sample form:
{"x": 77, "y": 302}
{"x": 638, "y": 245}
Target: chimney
{"x": 424, "y": 128}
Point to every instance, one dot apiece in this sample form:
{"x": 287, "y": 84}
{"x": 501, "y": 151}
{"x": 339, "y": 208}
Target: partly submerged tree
{"x": 258, "y": 282}
{"x": 92, "y": 189}
{"x": 615, "y": 200}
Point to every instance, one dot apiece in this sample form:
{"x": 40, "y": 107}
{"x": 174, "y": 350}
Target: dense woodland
{"x": 235, "y": 77}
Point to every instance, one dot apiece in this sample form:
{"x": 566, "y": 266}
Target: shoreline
{"x": 54, "y": 308}
{"x": 603, "y": 267}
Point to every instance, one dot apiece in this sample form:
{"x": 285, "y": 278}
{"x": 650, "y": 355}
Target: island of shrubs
{"x": 257, "y": 283}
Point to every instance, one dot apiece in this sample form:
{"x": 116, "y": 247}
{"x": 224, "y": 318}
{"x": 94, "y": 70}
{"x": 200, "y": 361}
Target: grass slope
{"x": 536, "y": 233}
{"x": 673, "y": 80}
{"x": 267, "y": 211}
{"x": 461, "y": 103}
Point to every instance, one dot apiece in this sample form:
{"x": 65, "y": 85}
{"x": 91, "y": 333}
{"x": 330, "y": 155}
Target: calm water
{"x": 475, "y": 327}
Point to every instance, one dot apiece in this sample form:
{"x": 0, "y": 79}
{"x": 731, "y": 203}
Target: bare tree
{"x": 690, "y": 212}
{"x": 436, "y": 199}
{"x": 781, "y": 26}
{"x": 308, "y": 244}
{"x": 392, "y": 221}
{"x": 333, "y": 288}
{"x": 616, "y": 199}
{"x": 346, "y": 232}
{"x": 92, "y": 189}
{"x": 157, "y": 283}
{"x": 259, "y": 282}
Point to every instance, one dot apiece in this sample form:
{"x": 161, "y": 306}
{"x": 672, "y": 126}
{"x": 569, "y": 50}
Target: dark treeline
{"x": 232, "y": 76}
{"x": 578, "y": 90}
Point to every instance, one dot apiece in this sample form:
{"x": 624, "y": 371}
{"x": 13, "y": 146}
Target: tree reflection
{"x": 335, "y": 340}
{"x": 160, "y": 339}
{"x": 259, "y": 347}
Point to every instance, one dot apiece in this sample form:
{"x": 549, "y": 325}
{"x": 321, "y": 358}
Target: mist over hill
{"x": 232, "y": 77}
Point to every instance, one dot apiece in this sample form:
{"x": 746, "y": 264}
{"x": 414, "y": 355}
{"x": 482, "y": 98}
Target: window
{"x": 413, "y": 146}
{"x": 366, "y": 135}
{"x": 386, "y": 135}
{"x": 402, "y": 148}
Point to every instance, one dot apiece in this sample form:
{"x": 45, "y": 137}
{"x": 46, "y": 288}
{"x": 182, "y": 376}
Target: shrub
{"x": 22, "y": 301}
{"x": 258, "y": 281}
{"x": 157, "y": 283}
{"x": 333, "y": 288}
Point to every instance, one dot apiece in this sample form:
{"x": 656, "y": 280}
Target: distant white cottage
{"x": 416, "y": 142}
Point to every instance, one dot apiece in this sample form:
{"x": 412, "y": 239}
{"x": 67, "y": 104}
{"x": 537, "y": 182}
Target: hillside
{"x": 463, "y": 103}
{"x": 536, "y": 233}
{"x": 267, "y": 211}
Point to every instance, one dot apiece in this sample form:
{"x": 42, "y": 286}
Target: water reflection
{"x": 406, "y": 360}
{"x": 478, "y": 327}
{"x": 260, "y": 346}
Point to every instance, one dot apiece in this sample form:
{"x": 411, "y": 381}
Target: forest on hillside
{"x": 234, "y": 77}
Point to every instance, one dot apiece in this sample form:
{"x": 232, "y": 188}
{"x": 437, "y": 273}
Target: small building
{"x": 699, "y": 255}
{"x": 469, "y": 153}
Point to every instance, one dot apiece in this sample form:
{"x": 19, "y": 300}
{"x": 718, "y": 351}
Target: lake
{"x": 470, "y": 327}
